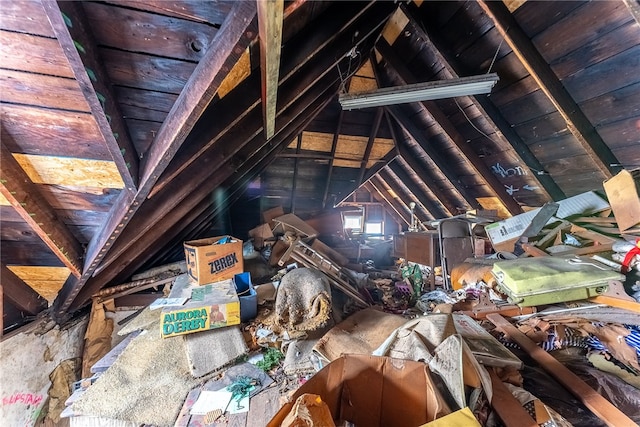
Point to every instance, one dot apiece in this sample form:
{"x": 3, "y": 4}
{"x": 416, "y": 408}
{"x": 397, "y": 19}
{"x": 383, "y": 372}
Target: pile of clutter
{"x": 284, "y": 330}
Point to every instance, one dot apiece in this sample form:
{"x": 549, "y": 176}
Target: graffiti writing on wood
{"x": 498, "y": 169}
{"x": 511, "y": 189}
{"x": 26, "y": 398}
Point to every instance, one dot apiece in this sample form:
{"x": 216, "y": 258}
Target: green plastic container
{"x": 549, "y": 280}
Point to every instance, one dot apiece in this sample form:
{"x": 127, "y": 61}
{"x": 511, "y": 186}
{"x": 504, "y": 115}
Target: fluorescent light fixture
{"x": 450, "y": 88}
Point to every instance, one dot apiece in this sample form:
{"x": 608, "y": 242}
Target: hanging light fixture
{"x": 450, "y": 88}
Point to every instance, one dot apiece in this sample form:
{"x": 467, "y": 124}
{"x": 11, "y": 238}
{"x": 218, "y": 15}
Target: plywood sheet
{"x": 394, "y": 26}
{"x": 240, "y": 71}
{"x": 46, "y": 281}
{"x": 493, "y": 203}
{"x": 314, "y": 141}
{"x": 70, "y": 171}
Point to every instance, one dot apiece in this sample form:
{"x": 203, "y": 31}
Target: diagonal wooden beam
{"x": 376, "y": 188}
{"x": 373, "y": 170}
{"x": 405, "y": 198}
{"x": 444, "y": 127}
{"x": 501, "y": 128}
{"x": 422, "y": 171}
{"x": 372, "y": 139}
{"x": 73, "y": 32}
{"x": 19, "y": 293}
{"x": 226, "y": 48}
{"x": 270, "y": 20}
{"x": 334, "y": 147}
{"x": 25, "y": 198}
{"x": 228, "y": 45}
{"x": 634, "y": 9}
{"x": 577, "y": 122}
{"x": 418, "y": 136}
{"x": 420, "y": 196}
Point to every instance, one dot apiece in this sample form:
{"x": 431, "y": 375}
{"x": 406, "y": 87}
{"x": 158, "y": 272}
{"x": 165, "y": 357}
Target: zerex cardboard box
{"x": 213, "y": 259}
{"x": 210, "y": 306}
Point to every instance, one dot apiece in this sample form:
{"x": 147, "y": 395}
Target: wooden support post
{"x": 600, "y": 406}
{"x": 577, "y": 122}
{"x": 372, "y": 138}
{"x": 270, "y": 20}
{"x": 334, "y": 147}
{"x": 295, "y": 175}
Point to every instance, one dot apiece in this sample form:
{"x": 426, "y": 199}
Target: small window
{"x": 374, "y": 228}
{"x": 353, "y": 222}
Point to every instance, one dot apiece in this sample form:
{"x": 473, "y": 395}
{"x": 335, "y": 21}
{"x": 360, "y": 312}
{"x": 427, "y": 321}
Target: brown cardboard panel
{"x": 209, "y": 261}
{"x": 623, "y": 192}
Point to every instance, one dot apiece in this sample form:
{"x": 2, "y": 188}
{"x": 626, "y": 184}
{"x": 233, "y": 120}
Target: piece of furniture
{"x": 419, "y": 247}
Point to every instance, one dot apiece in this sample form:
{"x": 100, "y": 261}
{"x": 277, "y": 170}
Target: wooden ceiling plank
{"x": 20, "y": 294}
{"x": 421, "y": 197}
{"x": 334, "y": 146}
{"x": 405, "y": 198}
{"x": 577, "y": 123}
{"x": 419, "y": 137}
{"x": 444, "y": 126}
{"x": 270, "y": 20}
{"x": 25, "y": 198}
{"x": 226, "y": 48}
{"x": 372, "y": 137}
{"x": 501, "y": 128}
{"x": 74, "y": 35}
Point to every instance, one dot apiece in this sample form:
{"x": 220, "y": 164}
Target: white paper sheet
{"x": 210, "y": 401}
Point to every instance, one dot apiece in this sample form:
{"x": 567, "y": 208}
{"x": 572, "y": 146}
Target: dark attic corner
{"x": 320, "y": 213}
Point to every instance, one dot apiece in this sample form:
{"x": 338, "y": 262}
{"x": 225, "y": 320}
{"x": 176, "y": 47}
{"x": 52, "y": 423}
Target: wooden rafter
{"x": 404, "y": 197}
{"x": 229, "y": 43}
{"x": 73, "y": 32}
{"x": 420, "y": 196}
{"x": 634, "y": 9}
{"x": 501, "y": 128}
{"x": 334, "y": 147}
{"x": 424, "y": 173}
{"x": 375, "y": 189}
{"x": 25, "y": 198}
{"x": 418, "y": 136}
{"x": 373, "y": 170}
{"x": 270, "y": 20}
{"x": 176, "y": 209}
{"x": 577, "y": 122}
{"x": 20, "y": 294}
{"x": 444, "y": 127}
{"x": 371, "y": 140}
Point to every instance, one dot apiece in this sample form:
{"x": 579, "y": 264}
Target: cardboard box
{"x": 262, "y": 236}
{"x": 503, "y": 234}
{"x": 213, "y": 259}
{"x": 208, "y": 307}
{"x": 623, "y": 192}
{"x": 374, "y": 391}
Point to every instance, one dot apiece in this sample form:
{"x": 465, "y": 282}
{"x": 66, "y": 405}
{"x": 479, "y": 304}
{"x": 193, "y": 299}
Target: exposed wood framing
{"x": 226, "y": 48}
{"x": 73, "y": 32}
{"x": 577, "y": 122}
{"x": 592, "y": 399}
{"x": 405, "y": 198}
{"x": 25, "y": 198}
{"x": 501, "y": 128}
{"x": 420, "y": 196}
{"x": 374, "y": 190}
{"x": 418, "y": 136}
{"x": 425, "y": 174}
{"x": 178, "y": 208}
{"x": 388, "y": 158}
{"x": 372, "y": 137}
{"x": 634, "y": 9}
{"x": 20, "y": 294}
{"x": 444, "y": 126}
{"x": 508, "y": 408}
{"x": 334, "y": 146}
{"x": 295, "y": 175}
{"x": 270, "y": 20}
